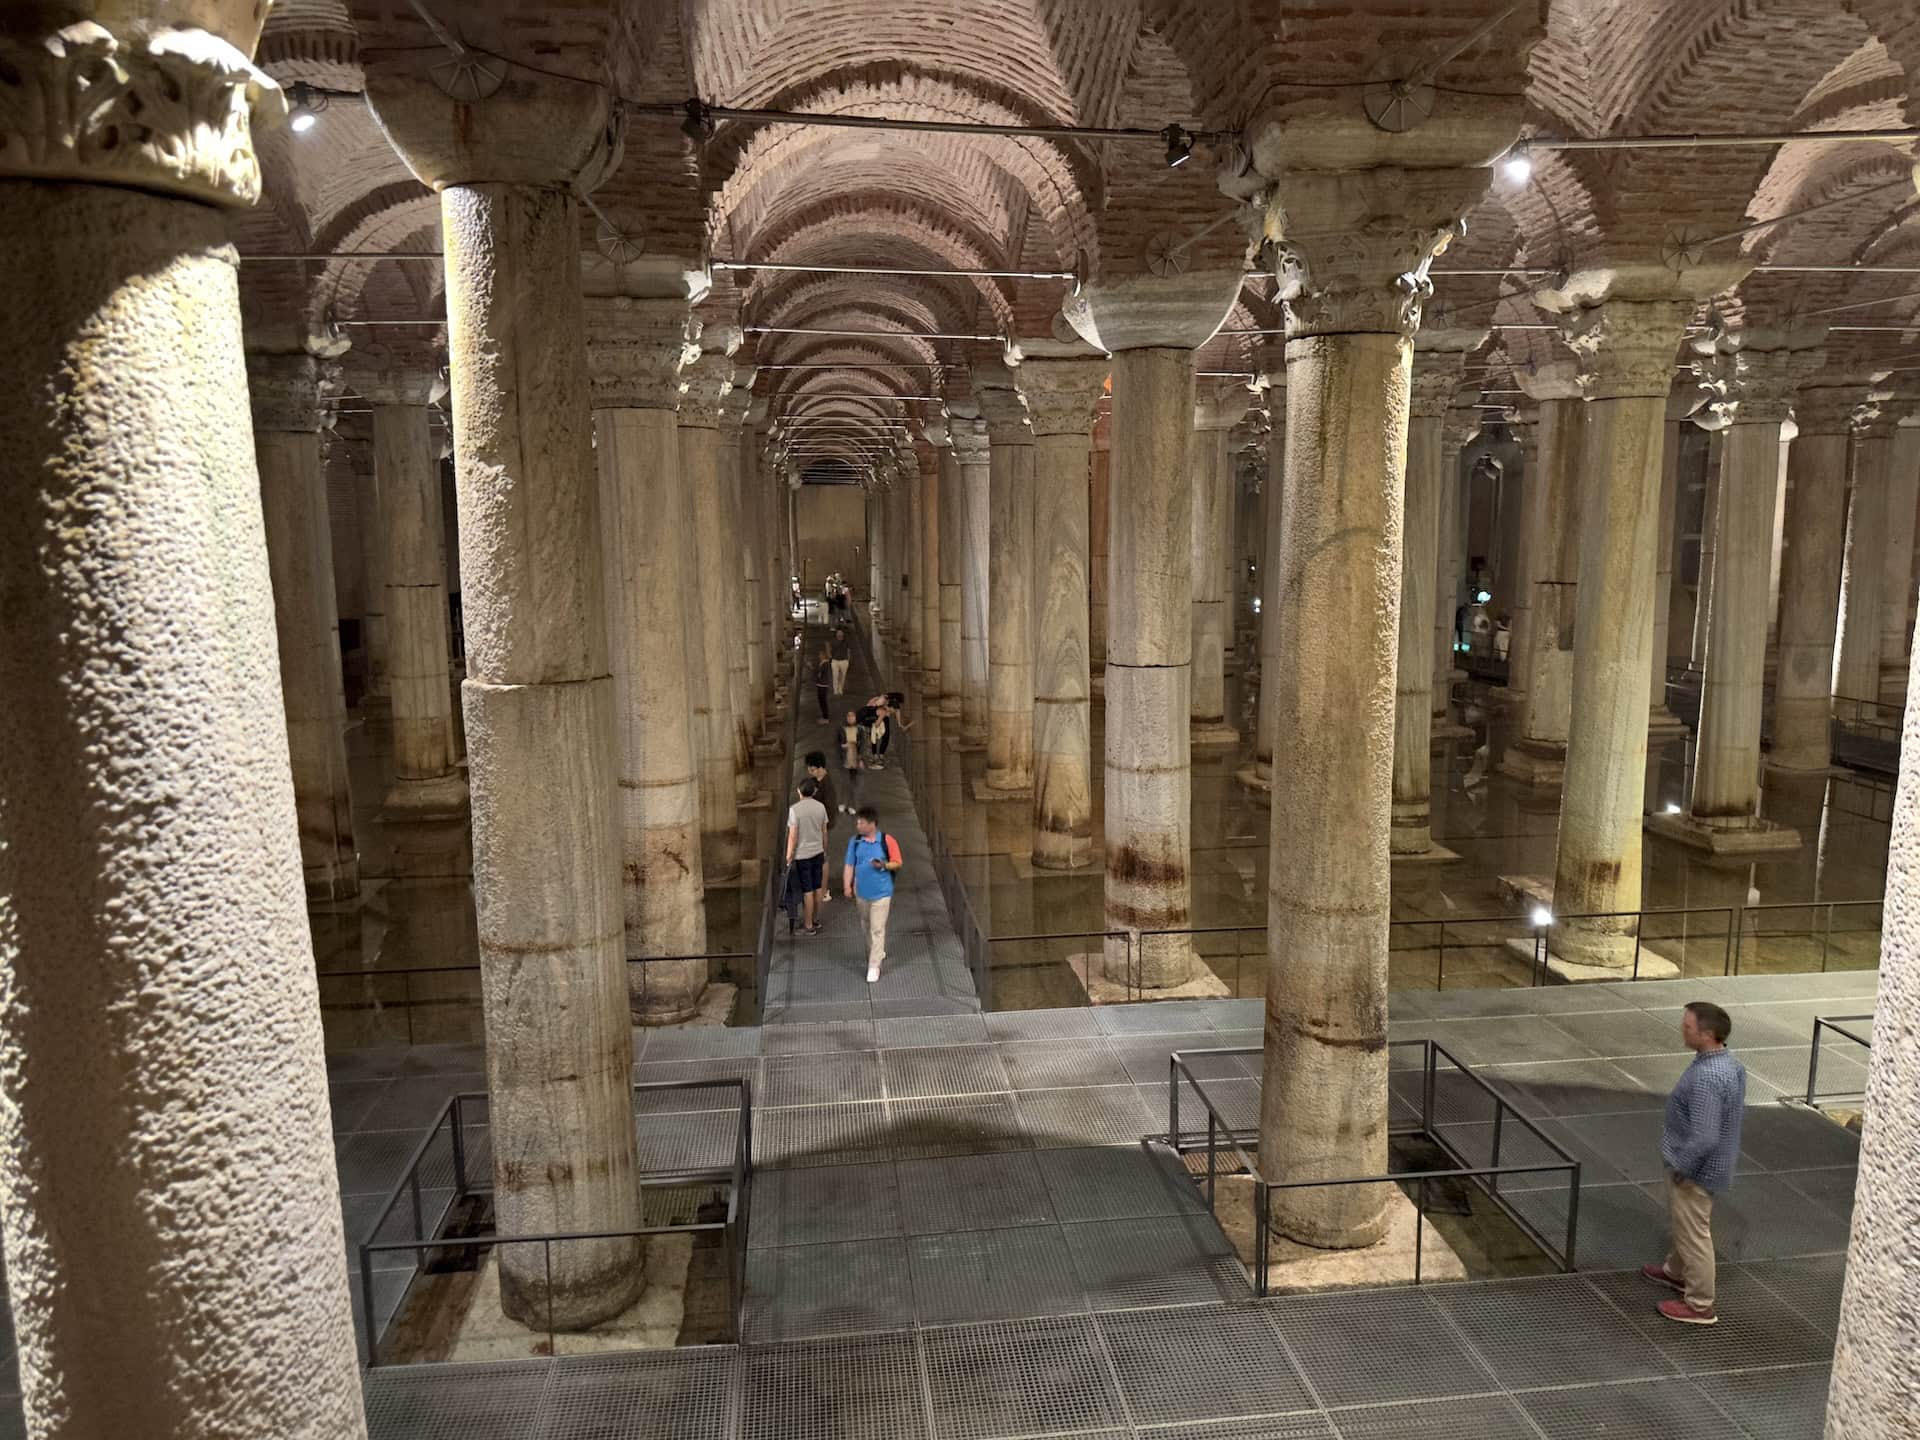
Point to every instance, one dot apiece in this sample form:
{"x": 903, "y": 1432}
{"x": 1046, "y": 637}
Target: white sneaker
{"x": 873, "y": 974}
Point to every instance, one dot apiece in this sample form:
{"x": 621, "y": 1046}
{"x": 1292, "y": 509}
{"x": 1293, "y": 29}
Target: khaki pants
{"x": 873, "y": 918}
{"x": 1690, "y": 1261}
{"x": 840, "y": 676}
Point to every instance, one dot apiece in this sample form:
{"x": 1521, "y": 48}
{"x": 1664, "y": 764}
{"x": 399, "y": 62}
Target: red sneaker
{"x": 1681, "y": 1311}
{"x": 1658, "y": 1274}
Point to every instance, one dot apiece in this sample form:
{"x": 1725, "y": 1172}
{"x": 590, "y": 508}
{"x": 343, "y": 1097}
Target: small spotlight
{"x": 1672, "y": 810}
{"x": 304, "y": 104}
{"x": 1256, "y": 604}
{"x": 1517, "y": 168}
{"x": 1542, "y": 917}
{"x": 1480, "y": 597}
{"x": 1179, "y": 145}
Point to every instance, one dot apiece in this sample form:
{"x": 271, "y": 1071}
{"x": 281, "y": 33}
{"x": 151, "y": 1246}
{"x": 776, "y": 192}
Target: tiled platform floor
{"x": 956, "y": 1234}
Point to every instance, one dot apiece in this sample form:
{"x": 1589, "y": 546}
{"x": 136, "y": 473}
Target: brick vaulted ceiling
{"x": 817, "y": 196}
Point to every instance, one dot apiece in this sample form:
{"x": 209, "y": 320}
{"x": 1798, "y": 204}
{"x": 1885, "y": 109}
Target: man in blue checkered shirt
{"x": 1700, "y": 1143}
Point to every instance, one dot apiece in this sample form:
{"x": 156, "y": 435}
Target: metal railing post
{"x": 366, "y": 1306}
{"x": 419, "y": 1220}
{"x": 1213, "y": 1129}
{"x": 459, "y": 1154}
{"x": 1499, "y": 1120}
{"x": 1440, "y": 979}
{"x": 1419, "y": 1228}
{"x": 1813, "y": 1060}
{"x": 1826, "y": 939}
{"x": 1573, "y": 1212}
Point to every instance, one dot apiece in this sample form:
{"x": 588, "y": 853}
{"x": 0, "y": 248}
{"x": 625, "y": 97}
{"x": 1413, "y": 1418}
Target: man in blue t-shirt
{"x": 871, "y": 860}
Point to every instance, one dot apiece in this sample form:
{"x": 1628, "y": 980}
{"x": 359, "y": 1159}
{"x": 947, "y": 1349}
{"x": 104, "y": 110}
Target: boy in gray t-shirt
{"x": 807, "y": 848}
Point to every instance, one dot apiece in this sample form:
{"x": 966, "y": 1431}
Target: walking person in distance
{"x": 1700, "y": 1145}
{"x": 823, "y": 684}
{"x": 842, "y": 653}
{"x": 872, "y": 859}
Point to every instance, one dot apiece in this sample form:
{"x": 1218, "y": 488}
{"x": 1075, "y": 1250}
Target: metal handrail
{"x": 738, "y": 1174}
{"x": 1486, "y": 1177}
{"x": 1835, "y": 1023}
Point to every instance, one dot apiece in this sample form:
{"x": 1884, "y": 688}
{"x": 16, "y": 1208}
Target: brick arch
{"x": 901, "y": 237}
{"x": 395, "y": 217}
{"x": 924, "y": 303}
{"x": 1058, "y": 183}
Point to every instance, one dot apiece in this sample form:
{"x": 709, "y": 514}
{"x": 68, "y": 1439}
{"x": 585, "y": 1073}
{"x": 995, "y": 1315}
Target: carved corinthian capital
{"x": 152, "y": 108}
{"x": 1352, "y": 247}
{"x": 1627, "y": 347}
{"x": 636, "y": 351}
{"x": 704, "y": 388}
{"x": 970, "y": 446}
{"x": 291, "y": 392}
{"x": 1063, "y": 396}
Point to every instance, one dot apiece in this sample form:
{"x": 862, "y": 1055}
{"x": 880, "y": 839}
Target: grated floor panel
{"x": 943, "y": 1072}
{"x": 455, "y": 1402}
{"x": 993, "y": 1275}
{"x": 1773, "y": 1404}
{"x": 1116, "y": 1182}
{"x": 1201, "y": 1363}
{"x": 1486, "y": 1417}
{"x": 1377, "y": 1345}
{"x": 973, "y": 1192}
{"x": 864, "y": 1387}
{"x": 1087, "y": 1115}
{"x": 1055, "y": 1064}
{"x": 1166, "y": 1260}
{"x": 970, "y": 1125}
{"x": 686, "y": 1394}
{"x": 1553, "y": 1331}
{"x": 1023, "y": 1377}
{"x": 801, "y": 1291}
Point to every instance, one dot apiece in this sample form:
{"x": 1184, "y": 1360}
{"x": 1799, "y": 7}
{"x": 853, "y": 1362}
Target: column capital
{"x": 1627, "y": 347}
{"x": 291, "y": 392}
{"x": 1220, "y": 404}
{"x": 1436, "y": 375}
{"x": 148, "y": 106}
{"x": 1826, "y": 409}
{"x": 737, "y": 401}
{"x": 533, "y": 130}
{"x": 1555, "y": 380}
{"x": 396, "y": 372}
{"x": 1462, "y": 423}
{"x": 1063, "y": 396}
{"x": 1351, "y": 248}
{"x": 704, "y": 386}
{"x": 1004, "y": 414}
{"x": 1876, "y": 417}
{"x": 970, "y": 443}
{"x": 1759, "y": 383}
{"x": 636, "y": 350}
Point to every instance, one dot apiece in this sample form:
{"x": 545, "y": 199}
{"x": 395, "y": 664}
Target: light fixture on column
{"x": 698, "y": 125}
{"x": 1179, "y": 145}
{"x": 1517, "y": 168}
{"x": 304, "y": 104}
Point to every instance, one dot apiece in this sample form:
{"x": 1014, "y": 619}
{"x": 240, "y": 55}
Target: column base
{"x": 949, "y": 706}
{"x": 970, "y": 744}
{"x": 329, "y": 883}
{"x": 1664, "y": 725}
{"x": 1432, "y": 855}
{"x": 442, "y": 797}
{"x": 1448, "y": 730}
{"x": 1533, "y": 762}
{"x": 1025, "y": 869}
{"x": 1564, "y": 971}
{"x": 1750, "y": 837}
{"x": 1208, "y": 733}
{"x": 1255, "y": 778}
{"x": 985, "y": 789}
{"x": 757, "y": 798}
{"x": 1296, "y": 1269}
{"x": 746, "y": 877}
{"x": 1822, "y": 767}
{"x": 1088, "y": 969}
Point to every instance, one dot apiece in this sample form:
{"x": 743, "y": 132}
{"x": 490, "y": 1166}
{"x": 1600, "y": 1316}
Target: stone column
{"x": 953, "y": 540}
{"x": 539, "y": 693}
{"x": 733, "y": 560}
{"x": 1628, "y": 347}
{"x": 914, "y": 541}
{"x": 1462, "y": 422}
{"x": 1709, "y": 545}
{"x": 1099, "y": 525}
{"x": 376, "y": 693}
{"x": 708, "y": 381}
{"x": 1010, "y": 586}
{"x": 1723, "y": 810}
{"x": 1856, "y": 673}
{"x": 1219, "y": 405}
{"x": 1435, "y": 375}
{"x": 1352, "y": 308}
{"x": 635, "y": 351}
{"x": 1062, "y": 397}
{"x": 287, "y": 391}
{"x": 160, "y": 1026}
{"x": 429, "y": 789}
{"x": 1876, "y": 1369}
{"x": 1896, "y": 590}
{"x": 975, "y": 486}
{"x": 1259, "y": 775}
{"x": 1551, "y": 555}
{"x": 927, "y": 577}
{"x": 756, "y": 502}
{"x": 746, "y": 529}
{"x": 1662, "y": 723}
{"x": 1810, "y": 578}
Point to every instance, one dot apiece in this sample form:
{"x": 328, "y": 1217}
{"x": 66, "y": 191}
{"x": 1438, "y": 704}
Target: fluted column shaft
{"x": 160, "y": 1028}
{"x": 953, "y": 549}
{"x": 635, "y": 351}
